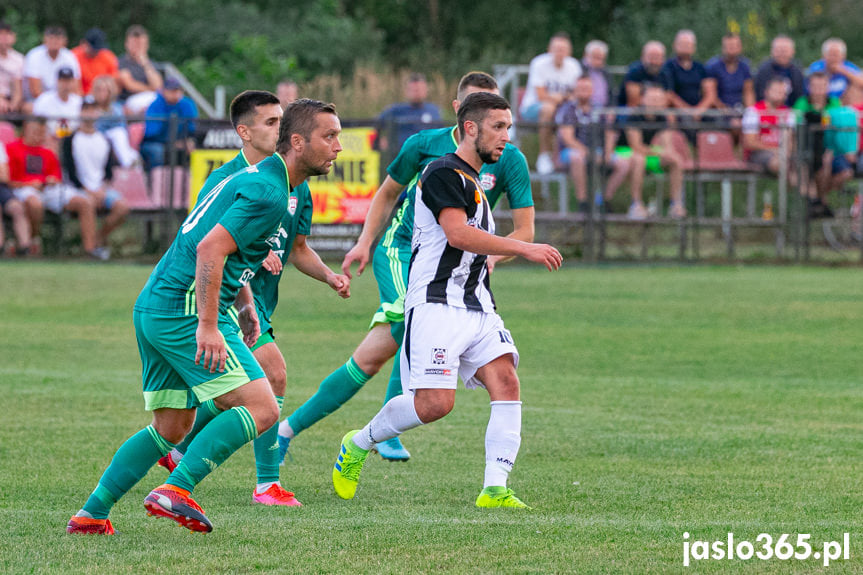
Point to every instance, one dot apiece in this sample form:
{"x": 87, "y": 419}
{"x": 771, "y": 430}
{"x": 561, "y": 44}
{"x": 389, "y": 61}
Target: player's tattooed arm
{"x": 210, "y": 264}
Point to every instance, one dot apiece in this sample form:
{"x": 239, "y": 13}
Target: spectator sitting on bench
{"x": 10, "y": 206}
{"x": 761, "y": 132}
{"x": 170, "y": 105}
{"x": 829, "y": 167}
{"x": 112, "y": 122}
{"x": 88, "y": 163}
{"x": 649, "y": 133}
{"x": 648, "y": 70}
{"x": 35, "y": 177}
{"x": 581, "y": 141}
{"x": 137, "y": 76}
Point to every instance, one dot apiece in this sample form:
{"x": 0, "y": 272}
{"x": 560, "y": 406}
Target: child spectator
{"x": 11, "y": 72}
{"x": 36, "y": 179}
{"x": 94, "y": 58}
{"x": 138, "y": 78}
{"x": 88, "y": 163}
{"x": 10, "y": 206}
{"x": 43, "y": 62}
{"x": 157, "y": 134}
{"x": 762, "y": 133}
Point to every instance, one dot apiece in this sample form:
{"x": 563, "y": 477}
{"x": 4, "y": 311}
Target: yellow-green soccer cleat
{"x": 346, "y": 471}
{"x": 498, "y": 496}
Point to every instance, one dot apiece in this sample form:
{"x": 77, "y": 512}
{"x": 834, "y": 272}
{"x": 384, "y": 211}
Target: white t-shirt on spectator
{"x": 543, "y": 73}
{"x": 90, "y": 152}
{"x": 38, "y": 64}
{"x": 4, "y": 158}
{"x": 11, "y": 69}
{"x": 62, "y": 116}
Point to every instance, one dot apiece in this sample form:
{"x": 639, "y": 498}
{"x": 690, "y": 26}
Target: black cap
{"x": 171, "y": 83}
{"x": 96, "y": 39}
{"x": 65, "y": 72}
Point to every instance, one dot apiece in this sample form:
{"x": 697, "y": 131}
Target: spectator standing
{"x": 550, "y": 80}
{"x": 111, "y": 121}
{"x": 648, "y": 133}
{"x": 686, "y": 77}
{"x": 12, "y": 207}
{"x": 94, "y": 58}
{"x": 137, "y": 76}
{"x": 593, "y": 64}
{"x": 169, "y": 103}
{"x": 729, "y": 78}
{"x": 42, "y": 63}
{"x": 780, "y": 64}
{"x": 580, "y": 143}
{"x": 840, "y": 71}
{"x": 407, "y": 118}
{"x": 287, "y": 91}
{"x": 88, "y": 163}
{"x": 11, "y": 71}
{"x": 36, "y": 179}
{"x": 61, "y": 105}
{"x": 648, "y": 70}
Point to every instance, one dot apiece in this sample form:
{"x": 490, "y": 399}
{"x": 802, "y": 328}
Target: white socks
{"x": 502, "y": 440}
{"x": 176, "y": 456}
{"x": 285, "y": 429}
{"x": 394, "y": 418}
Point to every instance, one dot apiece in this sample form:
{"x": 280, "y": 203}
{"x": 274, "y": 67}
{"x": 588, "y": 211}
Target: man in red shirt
{"x": 36, "y": 180}
{"x": 95, "y": 59}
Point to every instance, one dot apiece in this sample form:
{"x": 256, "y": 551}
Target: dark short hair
{"x": 777, "y": 79}
{"x": 476, "y": 107}
{"x": 820, "y": 74}
{"x": 5, "y": 26}
{"x": 55, "y": 31}
{"x": 563, "y": 35}
{"x": 136, "y": 30}
{"x": 299, "y": 118}
{"x": 475, "y": 80}
{"x": 244, "y": 105}
{"x": 416, "y": 77}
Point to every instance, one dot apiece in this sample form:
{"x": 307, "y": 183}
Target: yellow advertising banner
{"x": 341, "y": 197}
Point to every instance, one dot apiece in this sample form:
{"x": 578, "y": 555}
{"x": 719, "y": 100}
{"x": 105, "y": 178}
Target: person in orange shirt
{"x": 94, "y": 58}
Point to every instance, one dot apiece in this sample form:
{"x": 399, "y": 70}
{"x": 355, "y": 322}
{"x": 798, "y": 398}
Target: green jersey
{"x": 509, "y": 175}
{"x": 252, "y": 205}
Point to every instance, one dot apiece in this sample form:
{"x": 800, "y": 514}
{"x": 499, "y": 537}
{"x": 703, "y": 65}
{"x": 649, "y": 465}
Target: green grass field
{"x": 657, "y": 401}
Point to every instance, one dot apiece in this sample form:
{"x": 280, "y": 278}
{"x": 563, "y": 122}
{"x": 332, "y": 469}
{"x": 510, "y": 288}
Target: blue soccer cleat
{"x": 393, "y": 450}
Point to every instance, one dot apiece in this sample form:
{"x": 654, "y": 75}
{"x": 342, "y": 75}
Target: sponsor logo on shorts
{"x": 487, "y": 181}
{"x": 247, "y": 276}
{"x": 438, "y": 371}
{"x": 439, "y": 355}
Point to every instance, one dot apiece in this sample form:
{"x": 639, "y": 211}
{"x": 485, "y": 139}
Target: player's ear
{"x": 455, "y": 105}
{"x": 298, "y": 142}
{"x": 470, "y": 128}
{"x": 243, "y": 132}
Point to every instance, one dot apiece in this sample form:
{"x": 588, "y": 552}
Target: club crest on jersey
{"x": 439, "y": 355}
{"x": 487, "y": 181}
{"x": 292, "y": 204}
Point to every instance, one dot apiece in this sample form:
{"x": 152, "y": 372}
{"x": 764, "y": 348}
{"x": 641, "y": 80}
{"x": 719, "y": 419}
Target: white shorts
{"x": 443, "y": 342}
{"x": 55, "y": 197}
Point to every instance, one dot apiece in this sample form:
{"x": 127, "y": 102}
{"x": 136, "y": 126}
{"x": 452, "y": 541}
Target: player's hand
{"x": 273, "y": 263}
{"x": 341, "y": 284}
{"x": 211, "y": 352}
{"x": 491, "y": 261}
{"x": 249, "y": 324}
{"x": 544, "y": 254}
{"x": 360, "y": 254}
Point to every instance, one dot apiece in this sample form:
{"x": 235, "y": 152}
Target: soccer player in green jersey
{"x": 255, "y": 116}
{"x": 508, "y": 176}
{"x": 190, "y": 348}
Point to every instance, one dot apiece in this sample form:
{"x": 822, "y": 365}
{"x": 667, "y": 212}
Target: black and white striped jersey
{"x": 440, "y": 273}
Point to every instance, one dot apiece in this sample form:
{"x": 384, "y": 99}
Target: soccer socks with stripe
{"x": 130, "y": 463}
{"x": 225, "y": 434}
{"x": 394, "y": 418}
{"x": 266, "y": 448}
{"x": 502, "y": 440}
{"x": 334, "y": 391}
{"x": 394, "y": 387}
{"x": 204, "y": 415}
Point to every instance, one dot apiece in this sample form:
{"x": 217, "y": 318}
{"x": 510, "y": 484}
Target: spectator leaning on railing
{"x": 12, "y": 207}
{"x": 44, "y": 61}
{"x": 11, "y": 72}
{"x": 170, "y": 103}
{"x": 87, "y": 162}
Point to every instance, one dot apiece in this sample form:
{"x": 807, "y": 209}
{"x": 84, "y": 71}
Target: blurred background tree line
{"x": 354, "y": 51}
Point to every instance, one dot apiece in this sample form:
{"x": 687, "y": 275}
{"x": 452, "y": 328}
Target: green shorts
{"x": 391, "y": 272}
{"x": 652, "y": 164}
{"x": 170, "y": 377}
{"x": 266, "y": 336}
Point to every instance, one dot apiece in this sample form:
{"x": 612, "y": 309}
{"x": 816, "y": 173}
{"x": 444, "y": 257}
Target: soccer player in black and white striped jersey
{"x": 452, "y": 327}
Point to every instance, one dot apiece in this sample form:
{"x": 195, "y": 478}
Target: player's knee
{"x": 266, "y": 415}
{"x": 432, "y": 409}
{"x": 278, "y": 381}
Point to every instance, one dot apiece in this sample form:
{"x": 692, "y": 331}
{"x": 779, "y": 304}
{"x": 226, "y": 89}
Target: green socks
{"x": 206, "y": 412}
{"x": 334, "y": 391}
{"x": 394, "y": 387}
{"x": 131, "y": 462}
{"x": 267, "y": 451}
{"x": 221, "y": 437}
